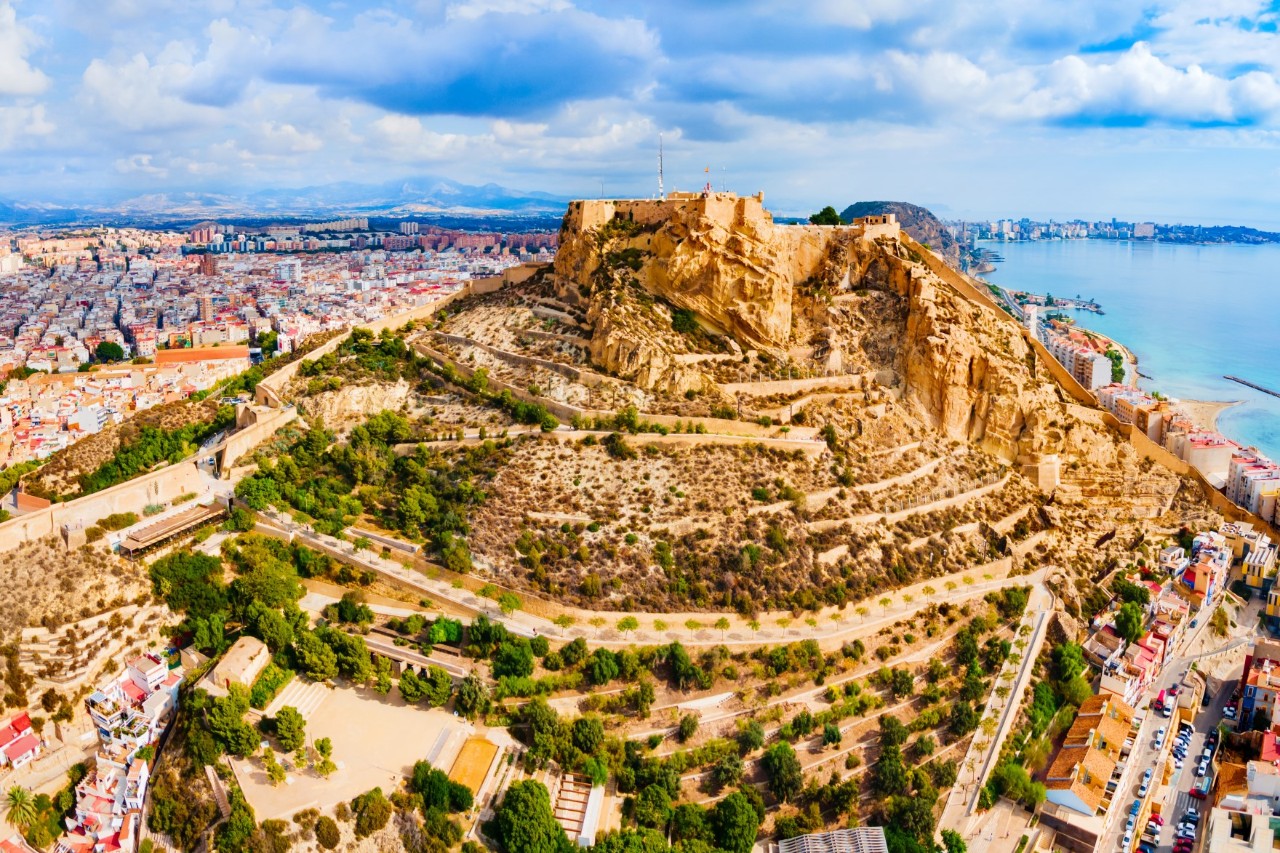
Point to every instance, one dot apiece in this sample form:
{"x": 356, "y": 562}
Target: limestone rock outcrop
{"x": 793, "y": 292}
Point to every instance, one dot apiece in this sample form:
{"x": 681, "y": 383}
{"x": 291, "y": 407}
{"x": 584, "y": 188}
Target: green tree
{"x": 751, "y": 737}
{"x": 953, "y": 841}
{"x": 291, "y": 728}
{"x": 653, "y": 807}
{"x": 514, "y": 657}
{"x": 327, "y": 834}
{"x": 688, "y": 727}
{"x": 235, "y": 835}
{"x": 831, "y": 735}
{"x": 1068, "y": 662}
{"x": 472, "y": 697}
{"x": 727, "y": 772}
{"x": 372, "y": 810}
{"x": 783, "y": 770}
{"x": 889, "y": 775}
{"x": 1129, "y": 621}
{"x": 524, "y": 822}
{"x": 109, "y": 351}
{"x": 587, "y": 734}
{"x": 411, "y": 687}
{"x": 735, "y": 823}
{"x": 258, "y": 491}
{"x": 963, "y": 719}
{"x": 316, "y": 659}
{"x": 602, "y": 666}
{"x": 826, "y": 216}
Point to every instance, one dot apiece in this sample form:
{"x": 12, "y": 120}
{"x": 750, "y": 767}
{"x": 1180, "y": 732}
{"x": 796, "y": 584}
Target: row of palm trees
{"x": 627, "y": 624}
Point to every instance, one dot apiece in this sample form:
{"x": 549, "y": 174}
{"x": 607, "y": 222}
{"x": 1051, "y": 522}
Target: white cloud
{"x": 406, "y": 139}
{"x": 140, "y": 164}
{"x": 17, "y": 76}
{"x": 21, "y": 123}
{"x": 473, "y": 9}
{"x": 137, "y": 95}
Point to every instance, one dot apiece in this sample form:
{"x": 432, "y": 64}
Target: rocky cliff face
{"x": 794, "y": 292}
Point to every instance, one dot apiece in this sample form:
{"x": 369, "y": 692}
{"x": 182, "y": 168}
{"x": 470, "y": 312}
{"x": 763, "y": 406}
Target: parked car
{"x": 1158, "y": 820}
{"x": 1127, "y": 840}
{"x": 1202, "y": 768}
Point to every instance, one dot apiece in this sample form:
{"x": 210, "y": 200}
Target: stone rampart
{"x": 158, "y": 487}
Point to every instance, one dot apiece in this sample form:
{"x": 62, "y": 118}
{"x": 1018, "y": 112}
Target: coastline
{"x": 1205, "y": 413}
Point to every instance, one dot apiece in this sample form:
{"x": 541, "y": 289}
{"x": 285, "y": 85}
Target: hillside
{"x": 763, "y": 417}
{"x": 920, "y": 223}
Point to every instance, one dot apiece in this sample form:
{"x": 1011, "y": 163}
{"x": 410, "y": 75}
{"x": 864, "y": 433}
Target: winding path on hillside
{"x": 829, "y": 632}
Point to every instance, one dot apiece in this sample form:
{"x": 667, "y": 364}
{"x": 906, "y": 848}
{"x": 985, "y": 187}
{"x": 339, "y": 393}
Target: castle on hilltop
{"x": 726, "y": 208}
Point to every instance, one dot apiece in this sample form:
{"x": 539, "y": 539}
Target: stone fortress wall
{"x": 726, "y": 208}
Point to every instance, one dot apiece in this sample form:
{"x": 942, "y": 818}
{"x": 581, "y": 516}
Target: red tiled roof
{"x": 1270, "y": 750}
{"x": 19, "y": 748}
{"x": 133, "y": 691}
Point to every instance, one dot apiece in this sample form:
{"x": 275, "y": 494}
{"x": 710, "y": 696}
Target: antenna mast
{"x": 662, "y": 193}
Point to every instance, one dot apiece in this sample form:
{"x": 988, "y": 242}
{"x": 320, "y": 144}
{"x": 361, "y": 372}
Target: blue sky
{"x": 1097, "y": 108}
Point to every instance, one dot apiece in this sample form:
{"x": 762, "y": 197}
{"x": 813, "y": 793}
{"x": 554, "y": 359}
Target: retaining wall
{"x": 158, "y": 487}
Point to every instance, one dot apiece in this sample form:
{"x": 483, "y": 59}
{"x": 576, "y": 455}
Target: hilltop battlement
{"x": 727, "y": 208}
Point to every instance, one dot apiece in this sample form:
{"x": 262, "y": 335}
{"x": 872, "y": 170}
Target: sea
{"x": 1191, "y": 314}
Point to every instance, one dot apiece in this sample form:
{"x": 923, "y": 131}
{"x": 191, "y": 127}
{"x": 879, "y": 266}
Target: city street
{"x": 1220, "y": 658}
{"x": 1180, "y": 798}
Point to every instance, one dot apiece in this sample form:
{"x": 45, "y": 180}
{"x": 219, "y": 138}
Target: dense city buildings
{"x": 105, "y": 322}
{"x": 1017, "y": 230}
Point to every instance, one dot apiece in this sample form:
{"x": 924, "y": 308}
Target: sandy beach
{"x": 1205, "y": 412}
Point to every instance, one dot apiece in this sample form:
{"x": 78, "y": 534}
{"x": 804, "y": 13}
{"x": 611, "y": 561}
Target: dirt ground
{"x": 376, "y": 740}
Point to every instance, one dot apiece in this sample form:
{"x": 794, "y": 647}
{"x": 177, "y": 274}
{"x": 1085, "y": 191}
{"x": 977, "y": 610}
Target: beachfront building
{"x": 856, "y": 839}
{"x": 1241, "y": 818}
{"x": 1090, "y": 368}
{"x": 1253, "y": 482}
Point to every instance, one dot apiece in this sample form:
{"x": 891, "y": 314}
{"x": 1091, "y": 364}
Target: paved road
{"x": 1180, "y": 798}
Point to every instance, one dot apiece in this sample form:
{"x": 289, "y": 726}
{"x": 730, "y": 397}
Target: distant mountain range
{"x": 420, "y": 196}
